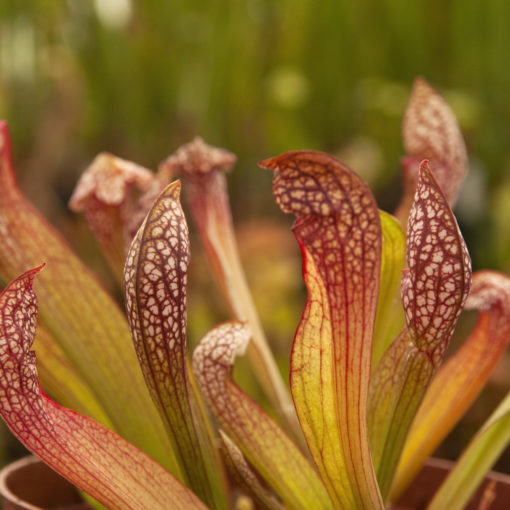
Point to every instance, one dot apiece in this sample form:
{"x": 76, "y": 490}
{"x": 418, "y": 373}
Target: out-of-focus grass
{"x": 258, "y": 77}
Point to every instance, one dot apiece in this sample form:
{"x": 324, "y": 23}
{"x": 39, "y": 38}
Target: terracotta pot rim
{"x": 433, "y": 462}
{"x": 6, "y": 471}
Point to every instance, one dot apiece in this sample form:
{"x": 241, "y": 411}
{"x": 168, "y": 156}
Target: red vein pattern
{"x": 434, "y": 290}
{"x": 89, "y": 455}
{"x": 203, "y": 169}
{"x": 85, "y": 321}
{"x": 338, "y": 225}
{"x": 430, "y": 131}
{"x": 262, "y": 441}
{"x": 105, "y": 195}
{"x": 155, "y": 292}
{"x": 459, "y": 381}
{"x": 435, "y": 287}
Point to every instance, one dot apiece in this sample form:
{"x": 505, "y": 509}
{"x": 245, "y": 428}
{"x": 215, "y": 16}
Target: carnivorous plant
{"x": 371, "y": 395}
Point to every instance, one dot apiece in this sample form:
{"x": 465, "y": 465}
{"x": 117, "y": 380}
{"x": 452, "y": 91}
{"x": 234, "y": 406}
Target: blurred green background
{"x": 259, "y": 77}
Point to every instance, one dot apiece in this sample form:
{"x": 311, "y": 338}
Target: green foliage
{"x": 257, "y": 76}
